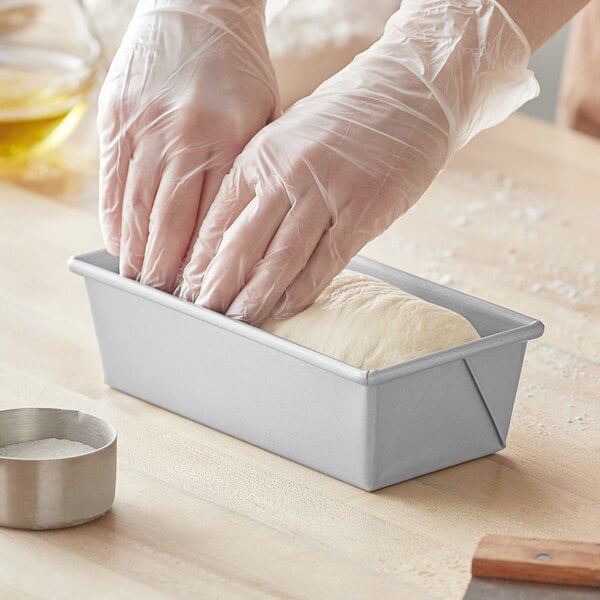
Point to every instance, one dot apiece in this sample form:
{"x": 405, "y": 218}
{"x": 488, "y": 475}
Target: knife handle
{"x": 531, "y": 559}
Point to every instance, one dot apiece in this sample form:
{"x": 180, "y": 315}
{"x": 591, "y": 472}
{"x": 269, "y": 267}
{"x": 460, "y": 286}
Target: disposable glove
{"x": 341, "y": 165}
{"x": 190, "y": 84}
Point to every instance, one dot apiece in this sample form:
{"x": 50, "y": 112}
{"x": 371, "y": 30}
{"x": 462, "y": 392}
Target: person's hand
{"x": 314, "y": 186}
{"x": 190, "y": 84}
{"x": 579, "y": 101}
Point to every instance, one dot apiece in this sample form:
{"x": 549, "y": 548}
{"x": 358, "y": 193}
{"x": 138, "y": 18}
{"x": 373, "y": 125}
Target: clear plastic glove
{"x": 190, "y": 84}
{"x": 341, "y": 165}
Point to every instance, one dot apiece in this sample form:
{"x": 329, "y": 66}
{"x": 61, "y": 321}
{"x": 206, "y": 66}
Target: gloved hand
{"x": 341, "y": 165}
{"x": 190, "y": 84}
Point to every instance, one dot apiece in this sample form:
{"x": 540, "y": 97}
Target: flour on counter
{"x": 562, "y": 288}
{"x": 461, "y": 221}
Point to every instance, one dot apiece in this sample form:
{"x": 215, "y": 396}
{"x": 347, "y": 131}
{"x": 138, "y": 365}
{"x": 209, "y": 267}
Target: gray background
{"x": 546, "y": 63}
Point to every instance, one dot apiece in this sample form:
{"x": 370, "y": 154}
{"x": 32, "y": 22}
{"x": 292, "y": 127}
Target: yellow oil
{"x": 42, "y": 98}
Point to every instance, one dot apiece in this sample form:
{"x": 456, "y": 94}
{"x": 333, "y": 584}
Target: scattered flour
{"x": 45, "y": 448}
{"x": 461, "y": 221}
{"x": 536, "y": 213}
{"x": 560, "y": 362}
{"x": 444, "y": 279}
{"x": 498, "y": 194}
{"x": 562, "y": 288}
{"x": 505, "y": 187}
{"x": 590, "y": 268}
{"x": 579, "y": 421}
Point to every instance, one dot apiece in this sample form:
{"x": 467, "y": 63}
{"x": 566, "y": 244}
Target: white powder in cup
{"x": 45, "y": 448}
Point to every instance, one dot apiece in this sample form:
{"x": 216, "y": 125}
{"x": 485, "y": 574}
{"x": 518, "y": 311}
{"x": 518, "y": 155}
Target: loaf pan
{"x": 368, "y": 428}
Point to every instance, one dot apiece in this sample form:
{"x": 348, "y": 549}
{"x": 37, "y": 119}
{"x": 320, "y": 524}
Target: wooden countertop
{"x": 514, "y": 219}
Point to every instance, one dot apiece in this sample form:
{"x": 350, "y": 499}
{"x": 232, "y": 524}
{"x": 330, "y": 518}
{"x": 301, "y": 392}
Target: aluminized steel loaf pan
{"x": 368, "y": 428}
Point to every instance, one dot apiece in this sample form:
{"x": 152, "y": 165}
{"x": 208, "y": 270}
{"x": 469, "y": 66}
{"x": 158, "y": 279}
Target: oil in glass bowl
{"x": 48, "y": 61}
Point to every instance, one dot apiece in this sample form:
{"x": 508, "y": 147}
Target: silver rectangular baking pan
{"x": 368, "y": 428}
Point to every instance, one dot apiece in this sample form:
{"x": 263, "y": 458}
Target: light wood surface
{"x": 514, "y": 219}
{"x": 534, "y": 559}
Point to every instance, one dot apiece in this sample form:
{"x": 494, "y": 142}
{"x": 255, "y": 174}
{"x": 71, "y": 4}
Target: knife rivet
{"x": 543, "y": 556}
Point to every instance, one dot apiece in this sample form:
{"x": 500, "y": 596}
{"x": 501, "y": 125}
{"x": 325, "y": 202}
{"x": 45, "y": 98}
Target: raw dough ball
{"x": 371, "y": 324}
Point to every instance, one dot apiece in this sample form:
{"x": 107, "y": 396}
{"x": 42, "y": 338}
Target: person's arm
{"x": 541, "y": 19}
{"x": 190, "y": 84}
{"x": 334, "y": 171}
{"x": 579, "y": 99}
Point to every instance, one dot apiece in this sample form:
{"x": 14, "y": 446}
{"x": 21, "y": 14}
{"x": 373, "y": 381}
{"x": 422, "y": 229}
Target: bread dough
{"x": 371, "y": 324}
